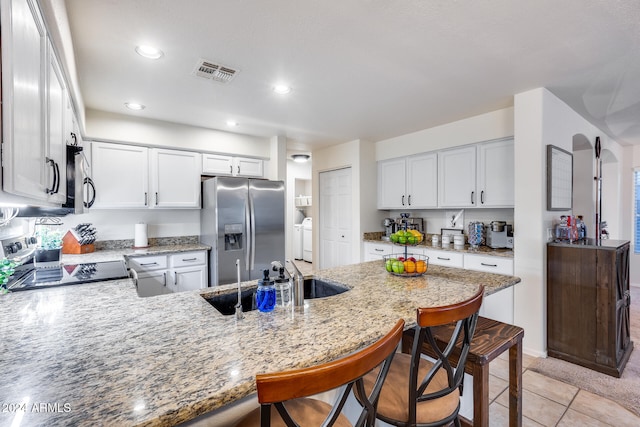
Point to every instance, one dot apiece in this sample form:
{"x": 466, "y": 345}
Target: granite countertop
{"x": 123, "y": 253}
{"x": 466, "y": 249}
{"x": 97, "y": 354}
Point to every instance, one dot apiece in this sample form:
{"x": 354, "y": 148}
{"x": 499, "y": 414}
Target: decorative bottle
{"x": 266, "y": 293}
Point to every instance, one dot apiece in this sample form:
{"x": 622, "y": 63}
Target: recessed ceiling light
{"x": 149, "y": 52}
{"x": 282, "y": 89}
{"x": 232, "y": 123}
{"x": 134, "y": 106}
{"x": 300, "y": 158}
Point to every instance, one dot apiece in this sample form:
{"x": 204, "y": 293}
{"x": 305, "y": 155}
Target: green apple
{"x": 389, "y": 265}
{"x": 398, "y": 267}
{"x": 402, "y": 240}
{"x": 394, "y": 238}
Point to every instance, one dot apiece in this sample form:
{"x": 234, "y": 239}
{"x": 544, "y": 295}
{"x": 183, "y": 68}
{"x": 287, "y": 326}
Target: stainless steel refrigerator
{"x": 242, "y": 219}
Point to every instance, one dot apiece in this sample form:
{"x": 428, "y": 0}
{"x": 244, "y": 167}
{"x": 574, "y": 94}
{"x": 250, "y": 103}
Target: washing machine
{"x": 297, "y": 241}
{"x": 307, "y": 239}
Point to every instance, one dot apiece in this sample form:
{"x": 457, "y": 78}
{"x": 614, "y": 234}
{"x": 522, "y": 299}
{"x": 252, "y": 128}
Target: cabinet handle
{"x": 230, "y": 169}
{"x": 472, "y": 194}
{"x": 488, "y": 265}
{"x": 379, "y": 250}
{"x": 175, "y": 278}
{"x": 57, "y": 177}
{"x": 482, "y": 197}
{"x": 164, "y": 275}
{"x": 53, "y": 185}
{"x": 156, "y": 198}
{"x": 409, "y": 199}
{"x": 189, "y": 259}
{"x": 148, "y": 263}
{"x": 238, "y": 169}
{"x": 145, "y": 199}
{"x": 444, "y": 259}
{"x": 403, "y": 200}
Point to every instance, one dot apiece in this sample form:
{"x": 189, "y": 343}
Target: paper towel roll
{"x": 141, "y": 240}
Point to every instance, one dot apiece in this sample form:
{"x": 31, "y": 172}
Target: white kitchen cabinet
{"x": 152, "y": 274}
{"x": 175, "y": 178}
{"x": 495, "y": 178}
{"x": 457, "y": 177}
{"x": 445, "y": 258}
{"x": 175, "y": 272}
{"x": 408, "y": 182}
{"x": 33, "y": 97}
{"x": 59, "y": 127}
{"x": 498, "y": 306}
{"x": 130, "y": 176}
{"x": 121, "y": 175}
{"x": 375, "y": 251}
{"x": 217, "y": 164}
{"x": 489, "y": 264}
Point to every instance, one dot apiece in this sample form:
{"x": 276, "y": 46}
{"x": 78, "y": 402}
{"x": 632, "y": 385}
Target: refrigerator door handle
{"x": 249, "y": 244}
{"x": 253, "y": 231}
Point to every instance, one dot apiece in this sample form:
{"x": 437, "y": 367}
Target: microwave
{"x": 77, "y": 186}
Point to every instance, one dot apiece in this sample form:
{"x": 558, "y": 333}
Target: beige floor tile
{"x": 499, "y": 368}
{"x": 574, "y": 418}
{"x": 547, "y": 387}
{"x": 537, "y": 408}
{"x": 499, "y": 417}
{"x": 496, "y": 386}
{"x": 604, "y": 410}
{"x": 526, "y": 359}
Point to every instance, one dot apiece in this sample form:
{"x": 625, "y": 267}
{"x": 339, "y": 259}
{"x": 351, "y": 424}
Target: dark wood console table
{"x": 588, "y": 304}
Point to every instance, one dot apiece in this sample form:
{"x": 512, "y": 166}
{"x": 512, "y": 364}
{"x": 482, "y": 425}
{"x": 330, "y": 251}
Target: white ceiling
{"x": 359, "y": 68}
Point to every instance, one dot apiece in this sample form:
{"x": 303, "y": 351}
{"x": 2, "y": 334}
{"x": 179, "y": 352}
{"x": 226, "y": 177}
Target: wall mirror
{"x": 559, "y": 179}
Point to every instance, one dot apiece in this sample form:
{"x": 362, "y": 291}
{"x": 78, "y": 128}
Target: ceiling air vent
{"x": 211, "y": 71}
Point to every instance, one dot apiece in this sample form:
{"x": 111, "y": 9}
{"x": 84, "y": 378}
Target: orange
{"x": 409, "y": 266}
{"x": 421, "y": 267}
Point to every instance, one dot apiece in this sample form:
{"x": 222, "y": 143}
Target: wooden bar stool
{"x": 490, "y": 339}
{"x": 289, "y": 391}
{"x": 418, "y": 392}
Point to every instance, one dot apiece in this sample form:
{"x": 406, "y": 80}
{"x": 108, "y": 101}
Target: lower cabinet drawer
{"x": 147, "y": 263}
{"x": 185, "y": 259}
{"x": 445, "y": 258}
{"x": 489, "y": 264}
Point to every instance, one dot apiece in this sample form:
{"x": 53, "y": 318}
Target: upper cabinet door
{"x": 243, "y": 166}
{"x": 391, "y": 184}
{"x": 121, "y": 175}
{"x": 457, "y": 177}
{"x": 57, "y": 129}
{"x": 175, "y": 179}
{"x": 496, "y": 174}
{"x": 23, "y": 58}
{"x": 215, "y": 164}
{"x": 422, "y": 181}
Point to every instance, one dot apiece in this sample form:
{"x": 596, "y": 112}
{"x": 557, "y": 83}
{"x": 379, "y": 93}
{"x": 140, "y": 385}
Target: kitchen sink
{"x": 313, "y": 288}
{"x": 316, "y": 288}
{"x": 226, "y": 303}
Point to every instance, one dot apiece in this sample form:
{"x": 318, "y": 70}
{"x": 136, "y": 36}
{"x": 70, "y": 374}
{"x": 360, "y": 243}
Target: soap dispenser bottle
{"x": 266, "y": 293}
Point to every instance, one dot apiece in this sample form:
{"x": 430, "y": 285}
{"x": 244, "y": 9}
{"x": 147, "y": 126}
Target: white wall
{"x": 630, "y": 161}
{"x": 540, "y": 118}
{"x": 485, "y": 127}
{"x": 359, "y": 156}
{"x": 120, "y": 128}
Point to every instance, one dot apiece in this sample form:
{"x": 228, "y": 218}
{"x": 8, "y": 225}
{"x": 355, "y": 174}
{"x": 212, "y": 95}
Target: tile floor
{"x": 548, "y": 402}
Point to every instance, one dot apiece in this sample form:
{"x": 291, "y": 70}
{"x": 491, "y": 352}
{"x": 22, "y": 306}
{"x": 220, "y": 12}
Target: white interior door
{"x": 335, "y": 222}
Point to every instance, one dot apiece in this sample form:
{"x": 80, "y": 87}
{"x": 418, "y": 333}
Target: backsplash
{"x": 103, "y": 245}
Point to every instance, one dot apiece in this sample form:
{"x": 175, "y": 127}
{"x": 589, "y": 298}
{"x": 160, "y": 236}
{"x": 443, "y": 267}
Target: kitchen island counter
{"x": 98, "y": 354}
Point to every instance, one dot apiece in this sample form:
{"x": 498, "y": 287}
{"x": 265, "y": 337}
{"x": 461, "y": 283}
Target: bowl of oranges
{"x": 407, "y": 237}
{"x": 409, "y": 265}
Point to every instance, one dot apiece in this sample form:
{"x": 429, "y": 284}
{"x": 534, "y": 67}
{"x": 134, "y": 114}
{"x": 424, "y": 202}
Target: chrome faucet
{"x": 298, "y": 285}
{"x": 239, "y": 313}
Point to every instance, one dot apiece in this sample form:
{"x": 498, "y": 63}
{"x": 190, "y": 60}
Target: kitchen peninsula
{"x": 99, "y": 354}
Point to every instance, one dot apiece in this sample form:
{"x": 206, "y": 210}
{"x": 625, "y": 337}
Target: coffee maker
{"x": 408, "y": 223}
{"x": 390, "y": 227}
{"x": 500, "y": 235}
